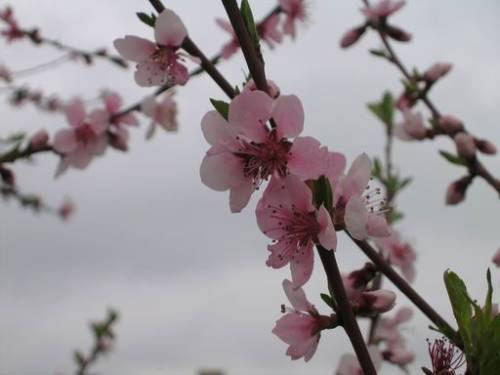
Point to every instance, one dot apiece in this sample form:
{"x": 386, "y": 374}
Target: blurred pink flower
{"x": 400, "y": 254}
{"x": 67, "y": 209}
{"x": 163, "y": 113}
{"x": 158, "y": 63}
{"x": 295, "y": 10}
{"x": 13, "y": 31}
{"x": 39, "y": 140}
{"x": 231, "y": 47}
{"x": 412, "y": 127}
{"x": 355, "y": 206}
{"x": 450, "y": 124}
{"x": 437, "y": 71}
{"x": 466, "y": 147}
{"x": 387, "y": 329}
{"x": 349, "y": 364}
{"x": 496, "y": 258}
{"x": 381, "y": 10}
{"x": 286, "y": 214}
{"x": 274, "y": 90}
{"x": 268, "y": 31}
{"x": 366, "y": 301}
{"x": 300, "y": 328}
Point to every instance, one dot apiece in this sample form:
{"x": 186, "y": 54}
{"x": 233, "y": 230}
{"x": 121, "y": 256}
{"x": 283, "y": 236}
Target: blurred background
{"x": 151, "y": 241}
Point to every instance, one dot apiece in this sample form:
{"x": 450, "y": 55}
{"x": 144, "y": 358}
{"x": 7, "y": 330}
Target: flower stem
{"x": 348, "y": 320}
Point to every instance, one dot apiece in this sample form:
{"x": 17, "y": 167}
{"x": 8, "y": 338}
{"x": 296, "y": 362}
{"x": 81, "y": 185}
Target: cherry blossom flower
{"x": 286, "y": 214}
{"x": 436, "y": 71}
{"x": 274, "y": 90}
{"x": 446, "y": 358}
{"x": 39, "y": 140}
{"x": 397, "y": 353}
{"x": 349, "y": 364}
{"x": 231, "y": 47}
{"x": 268, "y": 31}
{"x": 245, "y": 151}
{"x": 301, "y": 326}
{"x": 496, "y": 258}
{"x": 158, "y": 63}
{"x": 383, "y": 9}
{"x": 399, "y": 253}
{"x": 367, "y": 302}
{"x": 117, "y": 131}
{"x": 411, "y": 128}
{"x": 163, "y": 113}
{"x": 387, "y": 329}
{"x": 85, "y": 138}
{"x": 295, "y": 10}
{"x": 356, "y": 206}
{"x": 466, "y": 147}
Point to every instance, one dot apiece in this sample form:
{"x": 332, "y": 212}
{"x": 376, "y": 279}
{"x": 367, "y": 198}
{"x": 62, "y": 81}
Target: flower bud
{"x": 39, "y": 140}
{"x": 7, "y": 176}
{"x": 397, "y": 33}
{"x": 496, "y": 258}
{"x": 352, "y": 36}
{"x": 466, "y": 147}
{"x": 450, "y": 124}
{"x": 485, "y": 146}
{"x": 66, "y": 209}
{"x": 436, "y": 71}
{"x": 457, "y": 189}
{"x": 381, "y": 300}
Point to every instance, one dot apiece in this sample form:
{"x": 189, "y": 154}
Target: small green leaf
{"x": 384, "y": 109}
{"x": 377, "y": 168}
{"x": 379, "y": 53}
{"x": 323, "y": 193}
{"x": 246, "y": 13}
{"x": 395, "y": 216}
{"x": 149, "y": 20}
{"x": 405, "y": 182}
{"x": 328, "y": 300}
{"x": 453, "y": 159}
{"x": 221, "y": 106}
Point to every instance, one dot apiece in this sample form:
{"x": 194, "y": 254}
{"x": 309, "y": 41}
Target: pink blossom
{"x": 295, "y": 10}
{"x": 388, "y": 328}
{"x": 5, "y": 74}
{"x": 268, "y": 31}
{"x": 67, "y": 209}
{"x": 39, "y": 140}
{"x": 412, "y": 127}
{"x": 85, "y": 138}
{"x": 397, "y": 354}
{"x": 352, "y": 36}
{"x": 231, "y": 47}
{"x": 163, "y": 113}
{"x": 405, "y": 101}
{"x": 382, "y": 10}
{"x": 14, "y": 31}
{"x": 245, "y": 151}
{"x": 367, "y": 302}
{"x": 286, "y": 214}
{"x": 437, "y": 71}
{"x": 357, "y": 207}
{"x": 445, "y": 357}
{"x": 466, "y": 147}
{"x": 300, "y": 328}
{"x": 399, "y": 253}
{"x": 450, "y": 124}
{"x": 274, "y": 90}
{"x": 349, "y": 364}
{"x": 496, "y": 258}
{"x": 158, "y": 63}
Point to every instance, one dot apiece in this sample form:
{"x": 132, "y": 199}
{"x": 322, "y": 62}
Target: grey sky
{"x": 150, "y": 240}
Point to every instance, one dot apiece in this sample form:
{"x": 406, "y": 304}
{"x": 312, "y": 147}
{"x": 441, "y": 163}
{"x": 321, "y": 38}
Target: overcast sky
{"x": 148, "y": 239}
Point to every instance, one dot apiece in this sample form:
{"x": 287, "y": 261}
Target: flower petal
{"x": 169, "y": 29}
{"x": 240, "y": 195}
{"x": 301, "y": 265}
{"x": 358, "y": 176}
{"x": 65, "y": 141}
{"x": 297, "y": 297}
{"x": 305, "y": 158}
{"x": 288, "y": 114}
{"x": 221, "y": 171}
{"x": 377, "y": 226}
{"x": 134, "y": 48}
{"x": 75, "y": 112}
{"x": 149, "y": 73}
{"x": 327, "y": 236}
{"x": 216, "y": 129}
{"x": 356, "y": 217}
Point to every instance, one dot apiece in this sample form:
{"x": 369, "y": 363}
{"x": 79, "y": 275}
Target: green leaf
{"x": 221, "y": 106}
{"x": 377, "y": 168}
{"x": 395, "y": 216}
{"x": 323, "y": 193}
{"x": 379, "y": 53}
{"x": 149, "y": 20}
{"x": 328, "y": 300}
{"x": 405, "y": 182}
{"x": 453, "y": 159}
{"x": 246, "y": 13}
{"x": 384, "y": 109}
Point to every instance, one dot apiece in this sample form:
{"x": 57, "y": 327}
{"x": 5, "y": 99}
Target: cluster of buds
{"x": 13, "y": 31}
{"x": 272, "y": 29}
{"x": 376, "y": 17}
{"x": 22, "y": 95}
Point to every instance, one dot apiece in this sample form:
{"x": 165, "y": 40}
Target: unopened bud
{"x": 466, "y": 147}
{"x": 437, "y": 71}
{"x": 457, "y": 189}
{"x": 485, "y": 146}
{"x": 352, "y": 36}
{"x": 450, "y": 124}
{"x": 397, "y": 33}
{"x": 496, "y": 258}
{"x": 8, "y": 177}
{"x": 381, "y": 300}
{"x": 39, "y": 140}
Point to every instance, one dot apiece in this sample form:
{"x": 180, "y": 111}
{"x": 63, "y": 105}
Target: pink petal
{"x": 403, "y": 315}
{"x": 221, "y": 171}
{"x": 304, "y": 349}
{"x": 288, "y": 114}
{"x": 224, "y": 25}
{"x": 297, "y": 297}
{"x": 249, "y": 112}
{"x": 112, "y": 101}
{"x": 327, "y": 236}
{"x": 334, "y": 164}
{"x": 99, "y": 145}
{"x": 148, "y": 106}
{"x": 169, "y": 29}
{"x": 80, "y": 158}
{"x": 99, "y": 121}
{"x": 240, "y": 195}
{"x": 134, "y": 48}
{"x": 294, "y": 328}
{"x": 65, "y": 141}
{"x": 384, "y": 300}
{"x": 305, "y": 158}
{"x": 301, "y": 265}
{"x": 377, "y": 226}
{"x": 280, "y": 254}
{"x": 356, "y": 217}
{"x": 129, "y": 119}
{"x": 179, "y": 74}
{"x": 216, "y": 129}
{"x": 75, "y": 112}
{"x": 149, "y": 73}
{"x": 357, "y": 177}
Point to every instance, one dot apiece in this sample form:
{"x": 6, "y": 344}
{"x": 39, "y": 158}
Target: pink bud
{"x": 7, "y": 176}
{"x": 352, "y": 36}
{"x": 496, "y": 258}
{"x": 450, "y": 124}
{"x": 485, "y": 146}
{"x": 397, "y": 33}
{"x": 39, "y": 140}
{"x": 67, "y": 209}
{"x": 457, "y": 189}
{"x": 5, "y": 74}
{"x": 383, "y": 300}
{"x": 436, "y": 71}
{"x": 466, "y": 147}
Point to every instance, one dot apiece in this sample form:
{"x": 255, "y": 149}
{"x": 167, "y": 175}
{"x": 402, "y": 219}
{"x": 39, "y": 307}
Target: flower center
{"x": 85, "y": 133}
{"x": 261, "y": 160}
{"x": 445, "y": 356}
